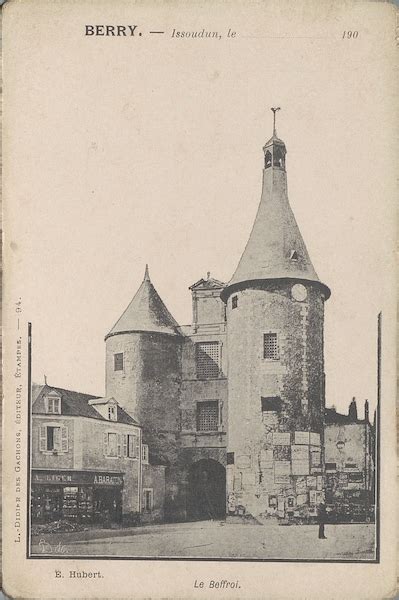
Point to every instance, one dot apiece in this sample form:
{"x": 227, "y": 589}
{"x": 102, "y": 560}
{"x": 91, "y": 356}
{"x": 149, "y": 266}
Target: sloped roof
{"x": 274, "y": 237}
{"x": 332, "y": 417}
{"x": 75, "y": 404}
{"x": 146, "y": 312}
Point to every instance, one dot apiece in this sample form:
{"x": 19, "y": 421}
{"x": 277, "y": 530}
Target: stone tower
{"x": 275, "y": 313}
{"x": 142, "y": 370}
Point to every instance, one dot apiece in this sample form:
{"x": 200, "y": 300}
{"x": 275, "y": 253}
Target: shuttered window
{"x": 208, "y": 360}
{"x": 53, "y": 438}
{"x": 112, "y": 444}
{"x": 207, "y": 415}
{"x": 133, "y": 446}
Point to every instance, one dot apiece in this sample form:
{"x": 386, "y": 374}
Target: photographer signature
{"x": 47, "y": 548}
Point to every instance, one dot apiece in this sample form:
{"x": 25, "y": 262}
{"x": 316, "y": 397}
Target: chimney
{"x": 353, "y": 410}
{"x": 366, "y": 411}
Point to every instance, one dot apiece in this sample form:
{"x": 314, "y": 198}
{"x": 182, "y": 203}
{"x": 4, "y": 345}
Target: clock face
{"x": 299, "y": 292}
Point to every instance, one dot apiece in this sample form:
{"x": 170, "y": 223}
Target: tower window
{"x": 118, "y": 361}
{"x": 278, "y": 158}
{"x": 268, "y": 160}
{"x": 207, "y": 415}
{"x": 271, "y": 404}
{"x": 270, "y": 346}
{"x": 234, "y": 302}
{"x": 207, "y": 360}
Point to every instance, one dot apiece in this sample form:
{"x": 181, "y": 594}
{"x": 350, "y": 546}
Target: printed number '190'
{"x": 350, "y": 34}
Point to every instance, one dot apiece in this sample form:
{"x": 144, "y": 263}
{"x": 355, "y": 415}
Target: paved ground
{"x": 216, "y": 539}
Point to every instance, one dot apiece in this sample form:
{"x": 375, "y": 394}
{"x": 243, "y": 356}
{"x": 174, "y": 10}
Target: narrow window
{"x": 268, "y": 159}
{"x": 133, "y": 446}
{"x": 234, "y": 302}
{"x": 112, "y": 412}
{"x": 111, "y": 448}
{"x": 207, "y": 360}
{"x": 148, "y": 499}
{"x": 270, "y": 346}
{"x": 118, "y": 361}
{"x": 144, "y": 454}
{"x": 207, "y": 415}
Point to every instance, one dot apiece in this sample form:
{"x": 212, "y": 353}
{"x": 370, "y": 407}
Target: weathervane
{"x": 274, "y": 118}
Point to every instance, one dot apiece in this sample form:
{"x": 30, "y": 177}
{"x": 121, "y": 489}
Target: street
{"x": 216, "y": 539}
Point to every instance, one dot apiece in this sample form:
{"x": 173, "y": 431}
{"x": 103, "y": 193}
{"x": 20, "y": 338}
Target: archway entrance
{"x": 206, "y": 490}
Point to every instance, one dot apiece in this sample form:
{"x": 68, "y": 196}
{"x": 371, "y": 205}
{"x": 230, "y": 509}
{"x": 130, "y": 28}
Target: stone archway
{"x": 206, "y": 498}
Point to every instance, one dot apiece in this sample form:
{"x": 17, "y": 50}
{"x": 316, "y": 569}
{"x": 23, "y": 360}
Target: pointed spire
{"x": 275, "y": 249}
{"x": 146, "y": 312}
{"x": 146, "y": 274}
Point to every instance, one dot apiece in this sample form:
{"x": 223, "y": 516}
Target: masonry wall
{"x": 277, "y": 462}
{"x": 153, "y": 478}
{"x": 148, "y": 388}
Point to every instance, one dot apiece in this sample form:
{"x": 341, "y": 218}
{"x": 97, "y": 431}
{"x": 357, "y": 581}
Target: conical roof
{"x": 275, "y": 249}
{"x": 146, "y": 312}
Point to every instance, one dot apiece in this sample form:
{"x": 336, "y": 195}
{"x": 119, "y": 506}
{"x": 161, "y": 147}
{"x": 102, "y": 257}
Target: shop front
{"x": 77, "y": 496}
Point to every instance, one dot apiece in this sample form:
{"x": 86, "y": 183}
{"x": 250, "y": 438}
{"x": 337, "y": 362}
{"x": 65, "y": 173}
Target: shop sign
{"x": 78, "y": 478}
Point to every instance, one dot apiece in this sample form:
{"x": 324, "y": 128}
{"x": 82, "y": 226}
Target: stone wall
{"x": 276, "y": 461}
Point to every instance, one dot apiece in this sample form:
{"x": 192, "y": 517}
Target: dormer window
{"x": 294, "y": 255}
{"x": 52, "y": 403}
{"x": 112, "y": 413}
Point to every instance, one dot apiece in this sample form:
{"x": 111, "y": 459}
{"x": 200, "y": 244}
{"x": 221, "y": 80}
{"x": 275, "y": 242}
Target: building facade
{"x": 233, "y": 404}
{"x": 88, "y": 460}
{"x": 350, "y": 463}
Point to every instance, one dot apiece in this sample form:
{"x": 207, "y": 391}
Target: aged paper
{"x": 199, "y": 323}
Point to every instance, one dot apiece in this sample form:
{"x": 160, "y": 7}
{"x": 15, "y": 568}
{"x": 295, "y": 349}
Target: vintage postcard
{"x": 199, "y": 291}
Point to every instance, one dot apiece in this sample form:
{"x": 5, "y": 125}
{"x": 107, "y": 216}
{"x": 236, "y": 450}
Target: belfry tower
{"x": 275, "y": 316}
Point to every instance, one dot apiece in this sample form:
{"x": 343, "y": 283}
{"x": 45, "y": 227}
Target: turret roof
{"x": 146, "y": 312}
{"x": 275, "y": 249}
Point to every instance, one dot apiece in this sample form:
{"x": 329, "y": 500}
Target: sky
{"x": 152, "y": 153}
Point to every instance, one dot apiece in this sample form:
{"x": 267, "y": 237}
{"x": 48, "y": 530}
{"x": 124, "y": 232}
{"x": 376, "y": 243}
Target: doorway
{"x": 206, "y": 490}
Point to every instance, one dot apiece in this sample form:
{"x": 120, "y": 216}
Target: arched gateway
{"x": 206, "y": 497}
